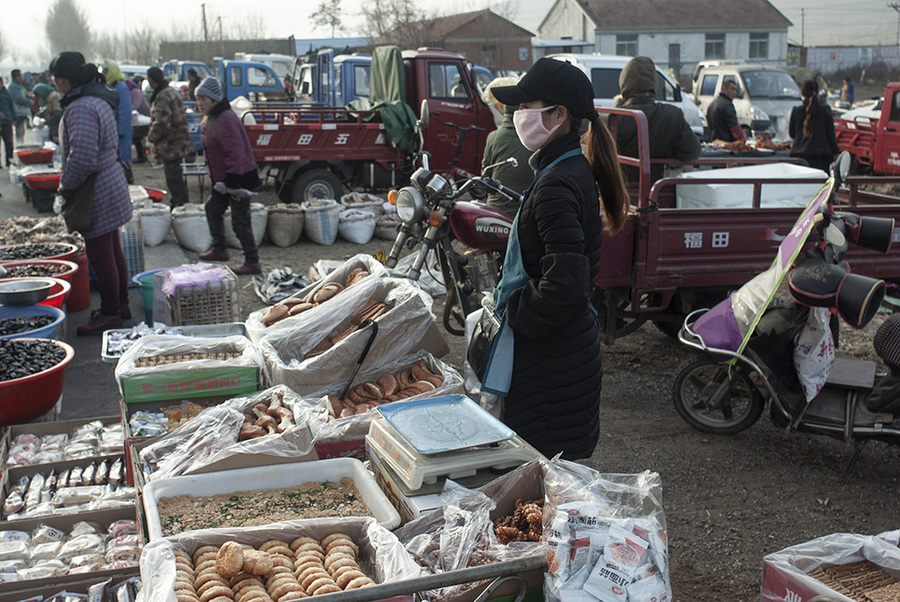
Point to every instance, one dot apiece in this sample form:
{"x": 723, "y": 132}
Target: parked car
{"x": 766, "y": 96}
{"x": 604, "y": 70}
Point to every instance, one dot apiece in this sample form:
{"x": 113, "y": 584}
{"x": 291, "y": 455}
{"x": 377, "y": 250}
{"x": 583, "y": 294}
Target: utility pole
{"x": 896, "y": 7}
{"x": 803, "y": 28}
{"x": 205, "y": 30}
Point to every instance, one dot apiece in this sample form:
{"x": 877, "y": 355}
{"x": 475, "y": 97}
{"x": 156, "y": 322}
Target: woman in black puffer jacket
{"x": 554, "y": 395}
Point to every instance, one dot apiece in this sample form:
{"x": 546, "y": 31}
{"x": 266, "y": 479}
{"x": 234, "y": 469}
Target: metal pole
{"x": 803, "y": 28}
{"x": 205, "y": 30}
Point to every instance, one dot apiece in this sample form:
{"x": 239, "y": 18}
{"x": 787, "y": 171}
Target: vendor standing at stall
{"x": 89, "y": 147}
{"x": 553, "y": 257}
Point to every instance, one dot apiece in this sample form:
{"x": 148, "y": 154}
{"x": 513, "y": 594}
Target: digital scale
{"x": 443, "y": 437}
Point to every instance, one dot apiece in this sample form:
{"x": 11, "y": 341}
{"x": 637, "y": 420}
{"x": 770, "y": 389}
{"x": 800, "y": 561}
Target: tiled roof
{"x": 702, "y": 15}
{"x": 441, "y": 28}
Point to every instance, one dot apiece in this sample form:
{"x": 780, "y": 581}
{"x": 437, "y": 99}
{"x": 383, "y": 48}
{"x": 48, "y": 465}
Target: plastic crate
{"x": 41, "y": 199}
{"x": 213, "y": 303}
{"x": 131, "y": 237}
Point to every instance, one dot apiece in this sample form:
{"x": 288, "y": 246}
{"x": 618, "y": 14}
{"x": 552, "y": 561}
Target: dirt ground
{"x": 728, "y": 501}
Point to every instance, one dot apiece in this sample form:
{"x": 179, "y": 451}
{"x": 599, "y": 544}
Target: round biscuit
{"x": 184, "y": 596}
{"x": 215, "y": 592}
{"x": 221, "y": 599}
{"x": 282, "y": 561}
{"x": 342, "y": 563}
{"x": 250, "y": 592}
{"x": 282, "y": 550}
{"x": 314, "y": 585}
{"x": 352, "y": 551}
{"x": 308, "y": 547}
{"x": 244, "y": 583}
{"x": 328, "y": 588}
{"x": 199, "y": 568}
{"x": 205, "y": 556}
{"x": 337, "y": 556}
{"x": 182, "y": 585}
{"x": 272, "y": 543}
{"x": 327, "y": 540}
{"x": 202, "y": 549}
{"x": 311, "y": 578}
{"x": 209, "y": 576}
{"x": 300, "y": 541}
{"x": 313, "y": 570}
{"x": 297, "y": 595}
{"x": 359, "y": 582}
{"x": 347, "y": 576}
{"x": 341, "y": 542}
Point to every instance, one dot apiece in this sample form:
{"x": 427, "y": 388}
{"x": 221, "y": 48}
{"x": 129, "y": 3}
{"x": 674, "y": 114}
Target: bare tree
{"x": 67, "y": 27}
{"x": 251, "y": 26}
{"x": 108, "y": 46}
{"x": 399, "y": 22}
{"x": 2, "y": 46}
{"x": 143, "y": 44}
{"x": 328, "y": 15}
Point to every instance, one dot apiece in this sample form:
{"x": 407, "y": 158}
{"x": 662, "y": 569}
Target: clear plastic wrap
{"x": 400, "y": 331}
{"x": 357, "y": 425}
{"x": 795, "y": 563}
{"x": 214, "y": 436}
{"x": 257, "y": 330}
{"x": 380, "y": 553}
{"x": 605, "y": 533}
{"x": 168, "y": 345}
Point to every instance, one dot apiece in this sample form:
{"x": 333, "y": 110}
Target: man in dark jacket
{"x": 670, "y": 135}
{"x": 7, "y": 121}
{"x": 169, "y": 133}
{"x": 502, "y": 144}
{"x": 722, "y": 118}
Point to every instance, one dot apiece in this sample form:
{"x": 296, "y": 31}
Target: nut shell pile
{"x": 277, "y": 572}
{"x": 293, "y": 306}
{"x": 418, "y": 378}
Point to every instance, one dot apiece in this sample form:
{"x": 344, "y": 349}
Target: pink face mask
{"x": 530, "y": 127}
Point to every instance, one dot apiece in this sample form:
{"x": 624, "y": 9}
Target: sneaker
{"x": 99, "y": 324}
{"x": 247, "y": 268}
{"x": 213, "y": 255}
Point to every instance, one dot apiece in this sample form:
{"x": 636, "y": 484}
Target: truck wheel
{"x": 711, "y": 400}
{"x": 316, "y": 184}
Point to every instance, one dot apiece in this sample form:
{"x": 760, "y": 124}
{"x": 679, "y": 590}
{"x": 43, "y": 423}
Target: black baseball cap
{"x": 554, "y": 82}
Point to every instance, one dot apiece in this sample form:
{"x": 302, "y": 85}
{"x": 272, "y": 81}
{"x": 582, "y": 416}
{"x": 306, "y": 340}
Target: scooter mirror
{"x": 423, "y": 113}
{"x": 841, "y": 167}
{"x": 513, "y": 161}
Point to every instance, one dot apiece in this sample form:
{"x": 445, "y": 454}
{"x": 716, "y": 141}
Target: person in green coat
{"x": 7, "y": 120}
{"x": 502, "y": 144}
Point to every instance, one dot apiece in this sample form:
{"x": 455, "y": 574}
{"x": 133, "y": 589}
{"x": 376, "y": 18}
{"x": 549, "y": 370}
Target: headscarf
{"x": 113, "y": 73}
{"x": 638, "y": 78}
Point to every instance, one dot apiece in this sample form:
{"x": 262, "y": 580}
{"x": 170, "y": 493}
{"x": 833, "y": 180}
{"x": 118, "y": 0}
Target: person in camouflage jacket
{"x": 169, "y": 133}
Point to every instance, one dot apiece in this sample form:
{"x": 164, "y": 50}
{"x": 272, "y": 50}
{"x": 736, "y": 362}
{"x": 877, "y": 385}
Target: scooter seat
{"x": 830, "y": 406}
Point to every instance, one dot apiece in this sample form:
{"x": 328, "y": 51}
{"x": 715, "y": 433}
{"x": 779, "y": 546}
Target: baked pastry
{"x": 230, "y": 559}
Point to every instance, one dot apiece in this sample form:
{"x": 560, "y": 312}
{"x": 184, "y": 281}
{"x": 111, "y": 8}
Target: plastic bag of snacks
{"x": 605, "y": 534}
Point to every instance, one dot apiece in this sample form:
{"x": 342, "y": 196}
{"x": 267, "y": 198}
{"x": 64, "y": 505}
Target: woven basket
{"x": 285, "y": 224}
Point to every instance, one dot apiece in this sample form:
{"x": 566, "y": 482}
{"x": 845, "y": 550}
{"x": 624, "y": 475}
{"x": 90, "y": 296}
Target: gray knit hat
{"x": 210, "y": 88}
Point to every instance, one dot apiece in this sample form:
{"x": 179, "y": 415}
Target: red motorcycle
{"x": 466, "y": 240}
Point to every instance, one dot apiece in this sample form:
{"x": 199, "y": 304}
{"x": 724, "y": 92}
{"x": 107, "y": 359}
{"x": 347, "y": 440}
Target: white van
{"x": 766, "y": 96}
{"x": 604, "y": 71}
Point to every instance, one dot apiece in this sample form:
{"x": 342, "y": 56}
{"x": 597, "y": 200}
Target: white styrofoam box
{"x": 279, "y": 476}
{"x": 727, "y": 195}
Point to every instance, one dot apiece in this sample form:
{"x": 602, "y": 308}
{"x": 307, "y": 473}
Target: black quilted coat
{"x": 554, "y": 397}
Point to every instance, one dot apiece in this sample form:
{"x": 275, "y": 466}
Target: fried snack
{"x": 230, "y": 559}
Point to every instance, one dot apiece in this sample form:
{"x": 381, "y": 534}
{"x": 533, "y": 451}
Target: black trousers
{"x": 6, "y": 132}
{"x": 240, "y": 223}
{"x": 175, "y": 182}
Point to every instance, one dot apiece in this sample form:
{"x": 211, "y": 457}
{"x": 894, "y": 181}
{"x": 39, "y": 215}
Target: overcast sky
{"x": 827, "y": 22}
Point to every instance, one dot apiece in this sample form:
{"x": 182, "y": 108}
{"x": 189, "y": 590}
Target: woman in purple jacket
{"x": 232, "y": 169}
{"x": 89, "y": 145}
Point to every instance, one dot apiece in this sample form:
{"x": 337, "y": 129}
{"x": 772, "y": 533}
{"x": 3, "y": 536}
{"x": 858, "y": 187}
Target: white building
{"x": 675, "y": 35}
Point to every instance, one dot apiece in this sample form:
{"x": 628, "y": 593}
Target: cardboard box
{"x": 786, "y": 573}
{"x": 26, "y": 589}
{"x": 81, "y": 585}
{"x": 41, "y": 429}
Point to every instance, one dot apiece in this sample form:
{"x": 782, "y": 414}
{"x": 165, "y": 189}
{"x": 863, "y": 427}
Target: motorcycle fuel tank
{"x": 480, "y": 227}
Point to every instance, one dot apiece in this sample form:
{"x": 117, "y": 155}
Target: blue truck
{"x": 333, "y": 80}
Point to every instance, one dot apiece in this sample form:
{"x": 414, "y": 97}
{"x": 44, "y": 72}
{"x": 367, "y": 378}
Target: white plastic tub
{"x": 270, "y": 477}
{"x": 729, "y": 196}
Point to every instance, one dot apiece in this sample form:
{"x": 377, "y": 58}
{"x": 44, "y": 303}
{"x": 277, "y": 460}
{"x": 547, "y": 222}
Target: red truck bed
{"x": 858, "y": 137}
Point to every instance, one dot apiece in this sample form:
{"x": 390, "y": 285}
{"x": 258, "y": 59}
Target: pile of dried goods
{"x": 32, "y": 251}
{"x": 372, "y": 310}
{"x": 267, "y": 418}
{"x": 524, "y": 525}
{"x": 294, "y": 305}
{"x": 163, "y": 360}
{"x": 35, "y": 270}
{"x": 24, "y": 358}
{"x": 861, "y": 580}
{"x": 20, "y": 324}
{"x": 418, "y": 378}
{"x": 23, "y": 229}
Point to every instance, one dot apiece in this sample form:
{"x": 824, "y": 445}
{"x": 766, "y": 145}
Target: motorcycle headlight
{"x": 410, "y": 205}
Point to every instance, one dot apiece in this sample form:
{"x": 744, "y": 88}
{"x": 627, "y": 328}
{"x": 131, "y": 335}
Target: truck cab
{"x": 872, "y": 134}
{"x": 176, "y": 71}
{"x": 281, "y": 64}
{"x": 255, "y": 81}
{"x": 333, "y": 80}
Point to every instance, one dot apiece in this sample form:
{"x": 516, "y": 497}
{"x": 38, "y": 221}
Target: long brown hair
{"x": 603, "y": 156}
{"x": 810, "y": 92}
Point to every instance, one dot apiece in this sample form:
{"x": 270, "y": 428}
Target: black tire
{"x": 697, "y": 381}
{"x": 316, "y": 184}
{"x": 670, "y": 329}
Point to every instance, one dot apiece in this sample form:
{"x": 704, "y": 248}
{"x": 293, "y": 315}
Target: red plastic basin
{"x": 68, "y": 274}
{"x": 156, "y": 194}
{"x": 24, "y": 399}
{"x": 58, "y": 292}
{"x": 33, "y": 157}
{"x": 43, "y": 180}
{"x": 69, "y": 253}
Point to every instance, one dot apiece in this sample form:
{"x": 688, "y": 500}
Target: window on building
{"x": 759, "y": 45}
{"x": 489, "y": 56}
{"x": 627, "y": 45}
{"x": 715, "y": 46}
